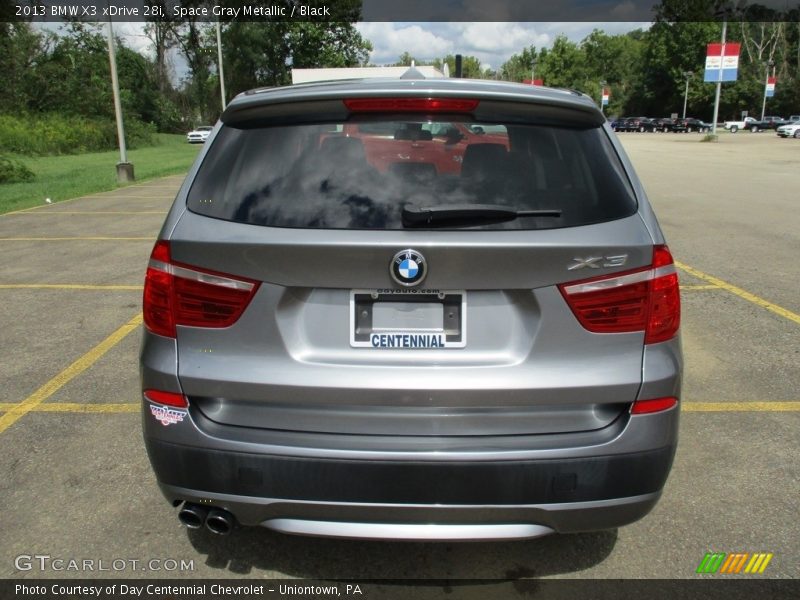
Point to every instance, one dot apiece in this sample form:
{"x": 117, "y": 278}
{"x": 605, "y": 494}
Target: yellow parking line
{"x": 30, "y": 208}
{"x": 76, "y": 407}
{"x": 72, "y": 239}
{"x": 91, "y": 197}
{"x": 740, "y": 406}
{"x": 67, "y": 286}
{"x": 92, "y": 212}
{"x": 18, "y": 411}
{"x": 700, "y": 287}
{"x": 778, "y": 310}
{"x": 131, "y": 197}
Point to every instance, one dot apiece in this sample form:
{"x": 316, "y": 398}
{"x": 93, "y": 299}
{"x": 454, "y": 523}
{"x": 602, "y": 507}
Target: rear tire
{"x": 641, "y": 129}
{"x": 688, "y": 130}
{"x": 734, "y": 129}
{"x": 796, "y": 134}
{"x": 754, "y": 129}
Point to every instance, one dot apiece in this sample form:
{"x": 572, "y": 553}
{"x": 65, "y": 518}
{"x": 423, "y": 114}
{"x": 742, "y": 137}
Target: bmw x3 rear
{"x": 411, "y": 309}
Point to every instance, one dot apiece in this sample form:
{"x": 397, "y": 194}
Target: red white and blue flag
{"x": 770, "y": 87}
{"x": 605, "y": 96}
{"x": 722, "y": 63}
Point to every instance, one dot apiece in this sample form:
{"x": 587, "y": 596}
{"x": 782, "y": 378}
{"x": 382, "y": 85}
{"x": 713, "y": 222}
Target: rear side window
{"x": 361, "y": 175}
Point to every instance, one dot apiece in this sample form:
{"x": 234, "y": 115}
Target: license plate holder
{"x": 408, "y": 319}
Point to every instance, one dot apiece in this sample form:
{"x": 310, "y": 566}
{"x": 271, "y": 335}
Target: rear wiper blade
{"x": 468, "y": 214}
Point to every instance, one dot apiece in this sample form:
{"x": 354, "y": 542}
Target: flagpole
{"x": 766, "y": 85}
{"x": 719, "y": 78}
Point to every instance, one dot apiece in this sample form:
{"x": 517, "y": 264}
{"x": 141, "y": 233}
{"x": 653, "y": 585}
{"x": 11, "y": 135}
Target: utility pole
{"x": 219, "y": 66}
{"x": 770, "y": 62}
{"x": 124, "y": 168}
{"x": 686, "y": 74}
{"x": 719, "y": 80}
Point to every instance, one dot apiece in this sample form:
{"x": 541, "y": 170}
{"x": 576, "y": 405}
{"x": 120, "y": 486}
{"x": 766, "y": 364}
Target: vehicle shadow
{"x": 277, "y": 555}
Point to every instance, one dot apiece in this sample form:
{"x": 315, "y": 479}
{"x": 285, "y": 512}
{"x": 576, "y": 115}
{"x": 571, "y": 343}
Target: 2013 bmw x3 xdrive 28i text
{"x": 411, "y": 309}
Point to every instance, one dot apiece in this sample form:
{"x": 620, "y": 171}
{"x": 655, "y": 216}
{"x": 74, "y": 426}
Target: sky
{"x": 491, "y": 43}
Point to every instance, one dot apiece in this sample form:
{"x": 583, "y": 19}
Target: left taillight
{"x": 178, "y": 294}
{"x": 641, "y": 300}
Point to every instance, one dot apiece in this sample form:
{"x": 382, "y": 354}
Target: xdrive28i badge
{"x": 408, "y": 267}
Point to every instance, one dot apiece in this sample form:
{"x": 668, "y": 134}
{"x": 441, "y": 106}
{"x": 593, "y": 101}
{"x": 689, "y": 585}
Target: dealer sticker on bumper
{"x": 166, "y": 415}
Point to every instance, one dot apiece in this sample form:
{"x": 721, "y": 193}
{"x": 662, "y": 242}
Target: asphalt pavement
{"x": 77, "y": 484}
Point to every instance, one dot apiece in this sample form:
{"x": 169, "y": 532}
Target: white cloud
{"x": 135, "y": 39}
{"x": 497, "y": 37}
{"x": 390, "y": 40}
{"x": 492, "y": 43}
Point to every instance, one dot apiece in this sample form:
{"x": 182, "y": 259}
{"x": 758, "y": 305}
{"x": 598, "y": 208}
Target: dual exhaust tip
{"x": 216, "y": 520}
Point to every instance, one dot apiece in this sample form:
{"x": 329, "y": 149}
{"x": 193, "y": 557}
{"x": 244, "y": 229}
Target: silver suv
{"x": 411, "y": 309}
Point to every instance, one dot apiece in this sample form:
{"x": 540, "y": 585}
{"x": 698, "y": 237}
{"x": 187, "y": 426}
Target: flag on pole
{"x": 719, "y": 66}
{"x": 771, "y": 87}
{"x": 605, "y": 96}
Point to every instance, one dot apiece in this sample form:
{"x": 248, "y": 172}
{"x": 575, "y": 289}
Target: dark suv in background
{"x": 689, "y": 125}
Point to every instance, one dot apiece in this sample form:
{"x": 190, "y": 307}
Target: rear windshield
{"x": 363, "y": 175}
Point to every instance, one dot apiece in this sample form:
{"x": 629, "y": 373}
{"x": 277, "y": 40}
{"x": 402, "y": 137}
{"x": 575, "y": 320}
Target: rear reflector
{"x": 177, "y": 294}
{"x": 645, "y": 299}
{"x": 643, "y": 407}
{"x": 426, "y": 105}
{"x": 168, "y": 398}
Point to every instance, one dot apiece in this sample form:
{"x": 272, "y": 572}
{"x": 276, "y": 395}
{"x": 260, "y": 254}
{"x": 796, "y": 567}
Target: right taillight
{"x": 646, "y": 407}
{"x": 645, "y": 299}
{"x": 178, "y": 294}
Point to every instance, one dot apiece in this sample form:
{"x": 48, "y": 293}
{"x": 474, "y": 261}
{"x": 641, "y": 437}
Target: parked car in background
{"x": 343, "y": 339}
{"x": 746, "y": 123}
{"x": 640, "y": 124}
{"x": 790, "y": 129}
{"x": 755, "y": 125}
{"x": 620, "y": 124}
{"x": 690, "y": 124}
{"x": 663, "y": 124}
{"x": 773, "y": 122}
{"x": 793, "y": 118}
{"x": 199, "y": 135}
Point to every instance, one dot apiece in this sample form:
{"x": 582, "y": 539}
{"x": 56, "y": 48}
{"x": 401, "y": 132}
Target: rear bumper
{"x": 404, "y": 487}
{"x": 415, "y": 500}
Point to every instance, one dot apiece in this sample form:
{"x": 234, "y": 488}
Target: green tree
{"x": 470, "y": 66}
{"x": 670, "y": 50}
{"x": 264, "y": 53}
{"x": 564, "y": 65}
{"x": 520, "y": 66}
{"x": 21, "y": 50}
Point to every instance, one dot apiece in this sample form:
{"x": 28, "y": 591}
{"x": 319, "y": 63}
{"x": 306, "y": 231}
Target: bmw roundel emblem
{"x": 408, "y": 267}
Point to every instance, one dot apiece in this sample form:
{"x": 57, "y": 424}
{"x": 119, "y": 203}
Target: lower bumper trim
{"x": 409, "y": 482}
{"x": 420, "y": 532}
